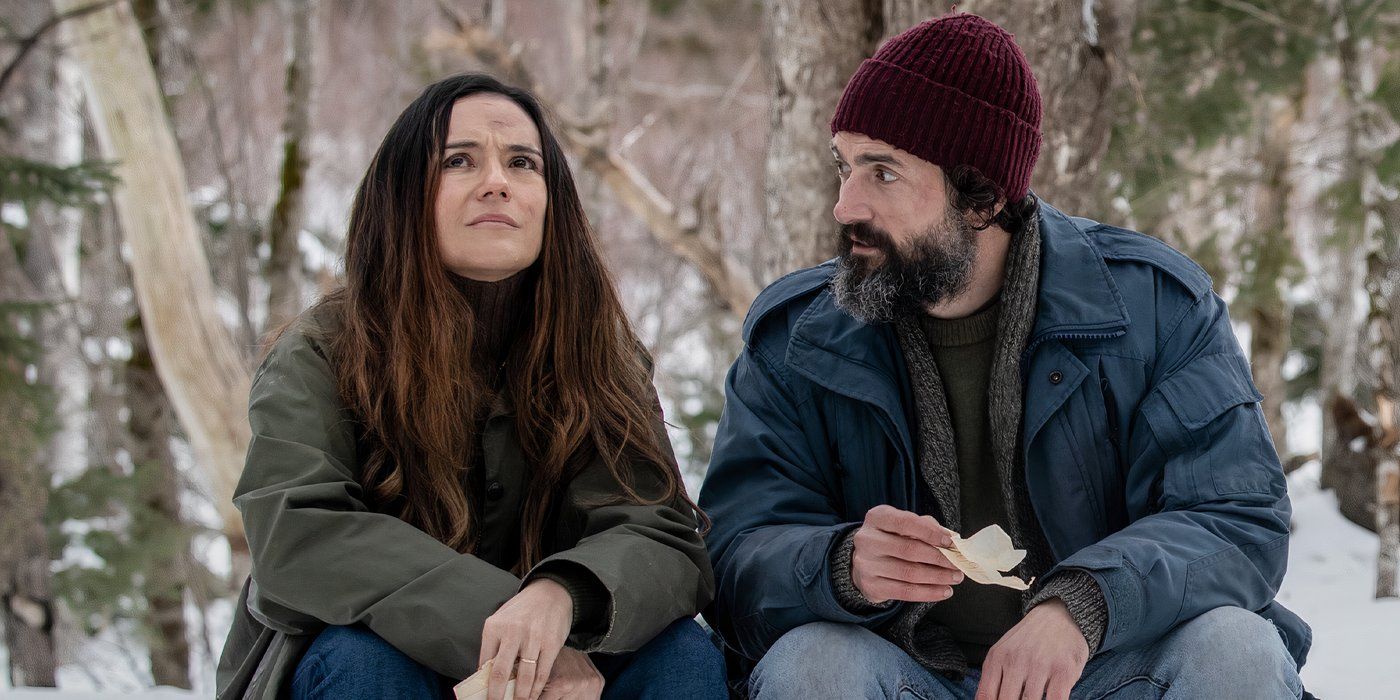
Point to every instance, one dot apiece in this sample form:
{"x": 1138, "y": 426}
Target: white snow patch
{"x": 1330, "y": 583}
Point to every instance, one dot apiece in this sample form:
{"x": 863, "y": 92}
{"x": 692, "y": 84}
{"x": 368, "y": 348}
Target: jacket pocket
{"x": 1229, "y": 451}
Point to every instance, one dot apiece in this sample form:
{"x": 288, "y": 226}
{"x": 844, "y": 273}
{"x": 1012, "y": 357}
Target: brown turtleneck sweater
{"x": 499, "y": 315}
{"x": 497, "y": 320}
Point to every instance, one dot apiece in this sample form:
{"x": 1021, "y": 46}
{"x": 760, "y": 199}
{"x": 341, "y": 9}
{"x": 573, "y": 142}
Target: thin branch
{"x": 1258, "y": 13}
{"x": 28, "y": 43}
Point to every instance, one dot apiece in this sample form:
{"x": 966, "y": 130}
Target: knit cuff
{"x": 591, "y": 599}
{"x": 847, "y": 594}
{"x": 1084, "y": 600}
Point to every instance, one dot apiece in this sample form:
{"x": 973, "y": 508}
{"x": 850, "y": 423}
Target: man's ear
{"x": 981, "y": 220}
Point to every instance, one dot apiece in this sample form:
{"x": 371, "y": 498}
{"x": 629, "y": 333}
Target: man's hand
{"x": 896, "y": 557}
{"x": 531, "y": 627}
{"x": 1041, "y": 657}
{"x": 574, "y": 677}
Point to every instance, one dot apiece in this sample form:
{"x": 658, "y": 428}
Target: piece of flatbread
{"x": 985, "y": 555}
{"x": 474, "y": 687}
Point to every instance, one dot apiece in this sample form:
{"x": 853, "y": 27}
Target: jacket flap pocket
{"x": 1207, "y": 387}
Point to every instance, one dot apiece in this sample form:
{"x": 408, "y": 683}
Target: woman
{"x": 458, "y": 457}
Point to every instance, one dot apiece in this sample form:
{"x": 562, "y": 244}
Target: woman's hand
{"x": 531, "y": 627}
{"x": 574, "y": 678}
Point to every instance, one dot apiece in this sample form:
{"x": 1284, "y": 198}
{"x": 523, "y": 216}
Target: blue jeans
{"x": 353, "y": 662}
{"x": 1224, "y": 653}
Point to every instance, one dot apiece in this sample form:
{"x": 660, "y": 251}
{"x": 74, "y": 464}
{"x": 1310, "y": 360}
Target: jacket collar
{"x": 1077, "y": 297}
{"x": 1077, "y": 294}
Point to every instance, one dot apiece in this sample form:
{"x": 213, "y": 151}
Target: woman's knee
{"x": 679, "y": 662}
{"x": 344, "y": 661}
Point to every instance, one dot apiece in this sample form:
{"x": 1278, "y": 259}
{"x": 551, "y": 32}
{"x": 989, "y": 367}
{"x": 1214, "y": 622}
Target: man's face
{"x": 903, "y": 248}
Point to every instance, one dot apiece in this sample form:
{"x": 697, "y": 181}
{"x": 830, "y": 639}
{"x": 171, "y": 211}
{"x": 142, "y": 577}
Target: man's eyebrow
{"x": 885, "y": 158}
{"x": 513, "y": 148}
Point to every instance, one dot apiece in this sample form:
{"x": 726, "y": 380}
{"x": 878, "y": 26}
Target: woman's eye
{"x": 523, "y": 162}
{"x": 457, "y": 161}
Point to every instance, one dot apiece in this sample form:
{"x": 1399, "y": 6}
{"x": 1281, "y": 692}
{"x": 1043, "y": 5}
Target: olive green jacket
{"x": 321, "y": 557}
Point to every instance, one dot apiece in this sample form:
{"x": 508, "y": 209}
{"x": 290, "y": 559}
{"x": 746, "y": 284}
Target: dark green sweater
{"x": 976, "y": 615}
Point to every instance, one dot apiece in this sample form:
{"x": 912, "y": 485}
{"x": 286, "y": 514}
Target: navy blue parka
{"x": 1147, "y": 457}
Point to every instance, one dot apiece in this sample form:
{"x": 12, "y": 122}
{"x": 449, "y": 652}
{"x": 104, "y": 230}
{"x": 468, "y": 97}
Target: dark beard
{"x": 936, "y": 266}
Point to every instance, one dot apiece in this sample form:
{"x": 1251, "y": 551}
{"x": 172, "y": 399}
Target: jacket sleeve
{"x": 1203, "y": 473}
{"x": 648, "y": 561}
{"x": 320, "y": 556}
{"x": 776, "y": 520}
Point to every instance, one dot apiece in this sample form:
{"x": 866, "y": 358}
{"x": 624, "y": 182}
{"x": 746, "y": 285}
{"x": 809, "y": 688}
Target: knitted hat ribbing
{"x": 952, "y": 91}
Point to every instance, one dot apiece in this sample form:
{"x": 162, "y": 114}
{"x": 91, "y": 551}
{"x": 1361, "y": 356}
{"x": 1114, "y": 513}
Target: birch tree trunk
{"x": 284, "y": 266}
{"x": 194, "y": 353}
{"x": 815, "y": 49}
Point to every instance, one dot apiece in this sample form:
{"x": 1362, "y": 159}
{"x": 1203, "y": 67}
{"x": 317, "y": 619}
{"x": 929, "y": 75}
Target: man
{"x": 975, "y": 357}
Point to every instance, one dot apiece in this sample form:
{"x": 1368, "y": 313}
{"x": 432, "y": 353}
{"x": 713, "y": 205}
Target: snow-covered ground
{"x": 1330, "y": 583}
{"x": 1330, "y": 578}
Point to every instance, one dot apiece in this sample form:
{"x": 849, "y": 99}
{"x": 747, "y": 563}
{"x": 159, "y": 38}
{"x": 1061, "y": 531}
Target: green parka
{"x": 321, "y": 557}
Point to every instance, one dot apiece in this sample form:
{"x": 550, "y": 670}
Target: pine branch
{"x": 27, "y": 44}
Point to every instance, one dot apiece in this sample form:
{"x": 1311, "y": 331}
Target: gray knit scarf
{"x": 931, "y": 644}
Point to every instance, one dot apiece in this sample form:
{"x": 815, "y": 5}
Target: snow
{"x": 1330, "y": 583}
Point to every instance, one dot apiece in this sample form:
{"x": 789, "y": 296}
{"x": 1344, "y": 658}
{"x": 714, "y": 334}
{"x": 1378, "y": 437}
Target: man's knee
{"x": 1233, "y": 648}
{"x": 826, "y": 659}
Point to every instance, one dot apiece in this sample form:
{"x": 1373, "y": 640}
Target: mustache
{"x": 868, "y": 235}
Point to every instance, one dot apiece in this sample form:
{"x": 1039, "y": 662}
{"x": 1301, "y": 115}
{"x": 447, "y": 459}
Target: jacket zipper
{"x": 1111, "y": 406}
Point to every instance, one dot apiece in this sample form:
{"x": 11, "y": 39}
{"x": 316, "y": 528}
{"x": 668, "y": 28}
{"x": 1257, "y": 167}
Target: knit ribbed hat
{"x": 952, "y": 91}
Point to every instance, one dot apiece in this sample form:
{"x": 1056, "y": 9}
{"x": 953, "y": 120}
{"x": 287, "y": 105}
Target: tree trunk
{"x": 899, "y": 15}
{"x": 1369, "y": 133}
{"x": 194, "y": 353}
{"x": 284, "y": 265}
{"x": 1074, "y": 49}
{"x": 815, "y": 47}
{"x": 150, "y": 424}
{"x": 26, "y": 598}
{"x": 1272, "y": 244}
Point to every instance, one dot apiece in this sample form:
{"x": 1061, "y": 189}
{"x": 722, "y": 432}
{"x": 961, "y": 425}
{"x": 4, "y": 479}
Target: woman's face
{"x": 491, "y": 194}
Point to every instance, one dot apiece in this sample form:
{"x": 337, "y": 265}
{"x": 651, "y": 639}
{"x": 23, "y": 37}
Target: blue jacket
{"x": 1146, "y": 454}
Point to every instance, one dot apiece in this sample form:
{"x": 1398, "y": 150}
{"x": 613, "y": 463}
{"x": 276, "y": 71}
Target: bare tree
{"x": 199, "y": 366}
{"x": 1076, "y": 51}
{"x": 1370, "y": 132}
{"x": 1271, "y": 242}
{"x": 150, "y": 423}
{"x": 284, "y": 265}
{"x": 815, "y": 48}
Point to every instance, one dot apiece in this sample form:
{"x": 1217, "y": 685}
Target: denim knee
{"x": 827, "y": 659}
{"x": 1232, "y": 652}
{"x": 355, "y": 662}
{"x": 680, "y": 662}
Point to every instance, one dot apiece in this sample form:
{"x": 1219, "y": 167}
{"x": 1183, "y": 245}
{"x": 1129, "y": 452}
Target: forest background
{"x": 175, "y": 177}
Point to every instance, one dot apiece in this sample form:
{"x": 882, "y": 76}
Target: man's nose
{"x": 849, "y": 208}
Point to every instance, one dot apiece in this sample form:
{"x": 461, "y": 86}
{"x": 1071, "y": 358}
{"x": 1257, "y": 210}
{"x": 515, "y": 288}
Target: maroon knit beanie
{"x": 953, "y": 91}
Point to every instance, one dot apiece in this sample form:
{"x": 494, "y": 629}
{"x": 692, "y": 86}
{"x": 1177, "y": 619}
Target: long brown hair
{"x": 576, "y": 377}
